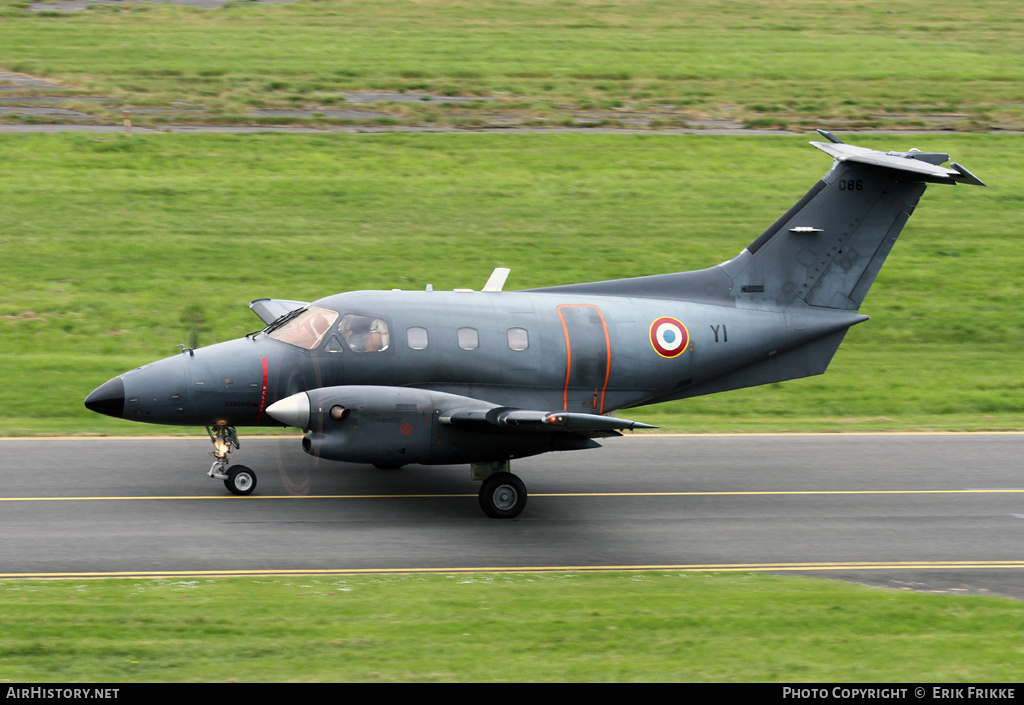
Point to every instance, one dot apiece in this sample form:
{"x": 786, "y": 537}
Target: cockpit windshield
{"x": 306, "y": 329}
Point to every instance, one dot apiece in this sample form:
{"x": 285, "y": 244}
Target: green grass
{"x": 116, "y": 249}
{"x": 863, "y": 63}
{"x": 595, "y": 627}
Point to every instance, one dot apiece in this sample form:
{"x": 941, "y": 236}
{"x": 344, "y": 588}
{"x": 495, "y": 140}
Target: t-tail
{"x": 814, "y": 265}
{"x": 825, "y": 251}
{"x": 828, "y": 248}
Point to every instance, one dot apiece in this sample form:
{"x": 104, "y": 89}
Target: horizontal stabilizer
{"x": 922, "y": 164}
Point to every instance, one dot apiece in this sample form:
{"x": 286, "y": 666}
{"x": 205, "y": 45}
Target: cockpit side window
{"x": 307, "y": 329}
{"x": 365, "y": 333}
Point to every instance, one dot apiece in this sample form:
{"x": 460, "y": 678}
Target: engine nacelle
{"x": 393, "y": 426}
{"x": 379, "y": 425}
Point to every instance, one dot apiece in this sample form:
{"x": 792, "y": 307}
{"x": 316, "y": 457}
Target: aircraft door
{"x": 329, "y": 362}
{"x": 588, "y": 358}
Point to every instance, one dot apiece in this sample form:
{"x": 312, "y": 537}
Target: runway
{"x": 926, "y": 512}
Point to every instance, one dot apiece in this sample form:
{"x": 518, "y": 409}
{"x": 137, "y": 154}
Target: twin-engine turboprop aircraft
{"x": 396, "y": 378}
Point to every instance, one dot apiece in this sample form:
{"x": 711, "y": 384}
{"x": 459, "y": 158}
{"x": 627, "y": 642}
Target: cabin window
{"x": 417, "y": 337}
{"x": 469, "y": 339}
{"x": 305, "y": 329}
{"x": 518, "y": 339}
{"x": 364, "y": 333}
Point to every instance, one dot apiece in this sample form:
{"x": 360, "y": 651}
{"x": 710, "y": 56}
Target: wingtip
{"x": 967, "y": 177}
{"x": 829, "y": 136}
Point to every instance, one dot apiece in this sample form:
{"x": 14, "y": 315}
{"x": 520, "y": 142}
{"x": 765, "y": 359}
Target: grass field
{"x": 594, "y": 627}
{"x": 116, "y": 249}
{"x": 800, "y": 63}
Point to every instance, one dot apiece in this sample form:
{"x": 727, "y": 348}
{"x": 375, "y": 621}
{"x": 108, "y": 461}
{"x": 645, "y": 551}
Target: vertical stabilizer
{"x": 828, "y": 248}
{"x": 825, "y": 251}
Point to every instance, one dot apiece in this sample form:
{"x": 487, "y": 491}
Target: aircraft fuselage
{"x": 517, "y": 349}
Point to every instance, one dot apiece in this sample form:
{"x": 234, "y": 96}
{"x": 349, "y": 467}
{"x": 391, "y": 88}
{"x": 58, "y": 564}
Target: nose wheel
{"x": 239, "y": 479}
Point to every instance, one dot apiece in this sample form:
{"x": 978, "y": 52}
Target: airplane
{"x": 393, "y": 378}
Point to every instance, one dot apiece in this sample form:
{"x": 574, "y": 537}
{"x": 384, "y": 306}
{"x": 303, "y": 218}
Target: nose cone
{"x": 292, "y": 411}
{"x": 108, "y": 398}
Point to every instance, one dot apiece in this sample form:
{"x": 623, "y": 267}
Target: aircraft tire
{"x": 503, "y": 496}
{"x": 241, "y": 480}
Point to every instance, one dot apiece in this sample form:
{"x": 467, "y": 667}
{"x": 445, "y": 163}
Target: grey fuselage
{"x": 589, "y": 354}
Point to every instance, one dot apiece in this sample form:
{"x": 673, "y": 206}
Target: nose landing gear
{"x": 239, "y": 479}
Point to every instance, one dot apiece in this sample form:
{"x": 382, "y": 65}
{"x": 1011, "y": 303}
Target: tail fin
{"x": 828, "y": 248}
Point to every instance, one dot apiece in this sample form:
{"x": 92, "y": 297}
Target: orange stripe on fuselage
{"x": 568, "y": 354}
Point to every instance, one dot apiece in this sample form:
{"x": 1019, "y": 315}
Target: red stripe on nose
{"x": 263, "y": 392}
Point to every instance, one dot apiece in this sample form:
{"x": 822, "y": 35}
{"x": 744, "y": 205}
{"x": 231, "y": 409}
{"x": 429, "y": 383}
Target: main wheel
{"x": 241, "y": 480}
{"x": 502, "y": 496}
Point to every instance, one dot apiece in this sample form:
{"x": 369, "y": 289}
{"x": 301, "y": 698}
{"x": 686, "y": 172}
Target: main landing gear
{"x": 239, "y": 479}
{"x": 502, "y": 494}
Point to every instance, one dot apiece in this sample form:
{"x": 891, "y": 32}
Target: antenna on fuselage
{"x": 497, "y": 279}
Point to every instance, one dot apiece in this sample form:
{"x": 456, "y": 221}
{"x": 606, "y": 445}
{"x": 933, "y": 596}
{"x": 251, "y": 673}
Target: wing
{"x": 526, "y": 420}
{"x": 408, "y": 425}
{"x": 269, "y": 310}
{"x": 392, "y": 403}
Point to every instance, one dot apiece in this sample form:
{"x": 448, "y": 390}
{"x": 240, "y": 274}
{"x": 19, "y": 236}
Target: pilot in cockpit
{"x": 364, "y": 334}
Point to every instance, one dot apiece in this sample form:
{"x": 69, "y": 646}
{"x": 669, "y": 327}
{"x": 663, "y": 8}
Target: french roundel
{"x": 669, "y": 337}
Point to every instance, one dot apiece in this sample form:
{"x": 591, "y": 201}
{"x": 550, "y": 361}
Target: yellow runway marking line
{"x": 694, "y": 568}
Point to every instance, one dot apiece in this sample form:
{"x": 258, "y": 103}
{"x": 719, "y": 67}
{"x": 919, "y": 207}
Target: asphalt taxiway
{"x": 940, "y": 512}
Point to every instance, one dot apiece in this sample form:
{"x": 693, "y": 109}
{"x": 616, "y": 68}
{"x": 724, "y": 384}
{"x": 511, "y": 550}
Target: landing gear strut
{"x": 239, "y": 479}
{"x": 502, "y": 494}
